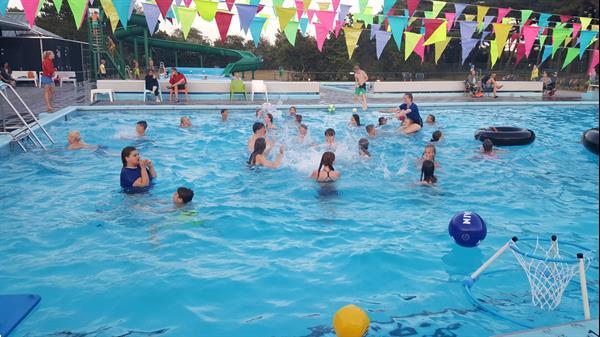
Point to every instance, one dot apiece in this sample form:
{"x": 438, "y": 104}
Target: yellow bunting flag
{"x": 323, "y": 5}
{"x": 437, "y": 7}
{"x": 501, "y": 30}
{"x": 352, "y": 34}
{"x": 206, "y": 9}
{"x": 595, "y": 27}
{"x": 411, "y": 40}
{"x": 440, "y": 46}
{"x": 306, "y": 4}
{"x": 481, "y": 12}
{"x": 493, "y": 52}
{"x": 284, "y": 15}
{"x": 111, "y": 13}
{"x": 568, "y": 40}
{"x": 186, "y": 18}
{"x": 438, "y": 35}
{"x": 585, "y": 22}
{"x": 469, "y": 17}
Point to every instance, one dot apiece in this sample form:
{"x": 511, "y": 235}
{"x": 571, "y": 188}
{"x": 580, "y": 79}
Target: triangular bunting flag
{"x": 547, "y": 52}
{"x": 57, "y": 5}
{"x": 502, "y": 12}
{"x": 467, "y": 46}
{"x": 111, "y": 13}
{"x": 486, "y": 22}
{"x": 586, "y": 37}
{"x": 186, "y": 19}
{"x": 565, "y": 18}
{"x": 284, "y": 15}
{"x": 436, "y": 36}
{"x": 593, "y": 62}
{"x": 585, "y": 22}
{"x": 303, "y": 25}
{"x": 529, "y": 33}
{"x": 291, "y": 30}
{"x": 122, "y": 8}
{"x": 459, "y": 9}
{"x": 321, "y": 33}
{"x": 440, "y": 46}
{"x": 543, "y": 19}
{"x": 469, "y": 17}
{"x": 362, "y": 4}
{"x": 326, "y": 18}
{"x": 323, "y": 5}
{"x": 151, "y": 12}
{"x": 79, "y": 9}
{"x": 428, "y": 14}
{"x": 381, "y": 39}
{"x": 306, "y": 4}
{"x": 256, "y": 28}
{"x": 223, "y": 20}
{"x": 558, "y": 37}
{"x": 467, "y": 28}
{"x": 3, "y": 7}
{"x": 525, "y": 14}
{"x": 229, "y": 4}
{"x": 299, "y": 9}
{"x": 412, "y": 6}
{"x": 520, "y": 52}
{"x": 246, "y": 14}
{"x": 411, "y": 40}
{"x": 387, "y": 7}
{"x": 351, "y": 34}
{"x": 206, "y": 9}
{"x": 187, "y": 3}
{"x": 30, "y": 8}
{"x": 493, "y": 52}
{"x": 501, "y": 30}
{"x": 335, "y": 4}
{"x": 398, "y": 24}
{"x": 344, "y": 10}
{"x": 543, "y": 40}
{"x": 164, "y": 6}
{"x": 571, "y": 55}
{"x": 576, "y": 29}
{"x": 450, "y": 19}
{"x": 311, "y": 13}
{"x": 481, "y": 12}
{"x": 437, "y": 7}
{"x": 374, "y": 28}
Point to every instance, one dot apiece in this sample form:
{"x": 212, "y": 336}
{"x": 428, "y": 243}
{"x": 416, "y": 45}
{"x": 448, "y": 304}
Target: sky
{"x": 210, "y": 30}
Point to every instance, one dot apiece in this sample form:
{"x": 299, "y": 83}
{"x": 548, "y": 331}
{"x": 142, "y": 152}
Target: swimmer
{"x": 292, "y": 111}
{"x": 259, "y": 131}
{"x": 185, "y": 122}
{"x": 363, "y": 147}
{"x": 269, "y": 121}
{"x": 136, "y": 172}
{"x": 382, "y": 121}
{"x": 259, "y": 113}
{"x": 224, "y": 115}
{"x": 429, "y": 154}
{"x": 302, "y": 132}
{"x": 436, "y": 136}
{"x": 371, "y": 131}
{"x": 330, "y": 137}
{"x": 487, "y": 148}
{"x": 258, "y": 156}
{"x": 140, "y": 128}
{"x": 355, "y": 120}
{"x": 298, "y": 119}
{"x": 182, "y": 196}
{"x": 430, "y": 119}
{"x": 76, "y": 143}
{"x": 427, "y": 170}
{"x": 326, "y": 173}
{"x": 410, "y": 111}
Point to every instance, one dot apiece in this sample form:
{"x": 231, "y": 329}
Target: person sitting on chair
{"x": 472, "y": 84}
{"x": 490, "y": 84}
{"x": 177, "y": 82}
{"x": 549, "y": 84}
{"x": 6, "y": 75}
{"x": 152, "y": 84}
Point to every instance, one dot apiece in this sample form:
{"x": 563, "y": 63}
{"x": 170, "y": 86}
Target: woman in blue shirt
{"x": 136, "y": 173}
{"x": 409, "y": 113}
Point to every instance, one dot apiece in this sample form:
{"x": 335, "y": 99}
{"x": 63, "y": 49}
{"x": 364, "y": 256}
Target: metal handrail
{"x": 26, "y": 125}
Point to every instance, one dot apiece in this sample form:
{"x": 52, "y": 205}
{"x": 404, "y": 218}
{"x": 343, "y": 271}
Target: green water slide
{"x": 137, "y": 33}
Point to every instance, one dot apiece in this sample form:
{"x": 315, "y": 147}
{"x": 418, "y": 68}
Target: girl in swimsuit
{"x": 258, "y": 158}
{"x": 326, "y": 173}
{"x": 355, "y": 120}
{"x": 269, "y": 121}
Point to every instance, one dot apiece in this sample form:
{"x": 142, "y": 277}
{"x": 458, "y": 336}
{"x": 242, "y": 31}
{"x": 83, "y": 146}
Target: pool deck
{"x": 578, "y": 328}
{"x": 80, "y": 96}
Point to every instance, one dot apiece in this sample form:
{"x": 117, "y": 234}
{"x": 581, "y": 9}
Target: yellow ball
{"x": 354, "y": 110}
{"x": 350, "y": 321}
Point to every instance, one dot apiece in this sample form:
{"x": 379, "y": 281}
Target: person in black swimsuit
{"x": 326, "y": 173}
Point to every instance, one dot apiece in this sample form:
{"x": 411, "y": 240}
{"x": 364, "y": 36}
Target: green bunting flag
{"x": 291, "y": 31}
{"x": 186, "y": 18}
{"x": 571, "y": 55}
{"x": 78, "y": 8}
{"x": 558, "y": 37}
{"x": 525, "y": 14}
{"x": 284, "y": 15}
{"x": 206, "y": 9}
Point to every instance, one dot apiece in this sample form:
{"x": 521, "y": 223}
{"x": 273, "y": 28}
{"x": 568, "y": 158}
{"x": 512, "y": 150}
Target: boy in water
{"x": 185, "y": 122}
{"x": 259, "y": 131}
{"x": 371, "y": 131}
{"x": 76, "y": 143}
{"x": 224, "y": 115}
{"x": 330, "y": 138}
{"x": 292, "y": 111}
{"x": 140, "y": 128}
{"x": 182, "y": 196}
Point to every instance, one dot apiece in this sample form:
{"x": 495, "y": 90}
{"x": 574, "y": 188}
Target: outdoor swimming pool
{"x": 271, "y": 253}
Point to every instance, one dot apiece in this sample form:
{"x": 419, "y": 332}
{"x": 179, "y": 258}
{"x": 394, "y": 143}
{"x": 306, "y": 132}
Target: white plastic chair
{"x": 259, "y": 86}
{"x": 148, "y": 92}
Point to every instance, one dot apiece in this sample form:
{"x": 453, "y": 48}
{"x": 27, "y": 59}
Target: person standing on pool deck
{"x": 136, "y": 172}
{"x": 47, "y": 80}
{"x": 259, "y": 155}
{"x": 410, "y": 110}
{"x": 360, "y": 86}
{"x": 326, "y": 173}
{"x": 259, "y": 131}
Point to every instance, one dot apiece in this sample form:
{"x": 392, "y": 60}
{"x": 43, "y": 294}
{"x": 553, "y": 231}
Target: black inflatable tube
{"x": 506, "y": 136}
{"x": 590, "y": 140}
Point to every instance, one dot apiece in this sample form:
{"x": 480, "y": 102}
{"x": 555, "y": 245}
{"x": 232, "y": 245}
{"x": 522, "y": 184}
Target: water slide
{"x": 136, "y": 26}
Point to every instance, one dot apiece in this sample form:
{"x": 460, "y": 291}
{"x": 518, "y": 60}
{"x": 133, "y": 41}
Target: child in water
{"x": 371, "y": 131}
{"x": 185, "y": 122}
{"x": 330, "y": 138}
{"x": 436, "y": 136}
{"x": 326, "y": 173}
{"x": 182, "y": 196}
{"x": 429, "y": 154}
{"x": 363, "y": 147}
{"x": 427, "y": 170}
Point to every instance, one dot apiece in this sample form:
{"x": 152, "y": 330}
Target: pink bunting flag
{"x": 299, "y": 9}
{"x": 515, "y": 36}
{"x": 338, "y": 28}
{"x": 30, "y": 7}
{"x": 322, "y": 32}
{"x": 336, "y": 4}
{"x": 229, "y": 4}
{"x": 223, "y": 20}
{"x": 187, "y": 3}
{"x": 502, "y": 12}
{"x": 450, "y": 18}
{"x": 565, "y": 18}
{"x": 420, "y": 49}
{"x": 576, "y": 29}
{"x": 259, "y": 8}
{"x": 326, "y": 18}
{"x": 412, "y": 6}
{"x": 520, "y": 52}
{"x": 530, "y": 34}
{"x": 164, "y": 6}
{"x": 593, "y": 62}
{"x": 311, "y": 14}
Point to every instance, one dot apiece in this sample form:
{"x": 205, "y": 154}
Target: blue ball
{"x": 467, "y": 228}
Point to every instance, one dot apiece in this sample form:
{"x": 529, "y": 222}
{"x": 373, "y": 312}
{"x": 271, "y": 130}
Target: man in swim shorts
{"x": 360, "y": 91}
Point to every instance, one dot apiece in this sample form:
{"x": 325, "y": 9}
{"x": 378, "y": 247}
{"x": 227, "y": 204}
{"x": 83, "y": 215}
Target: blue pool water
{"x": 271, "y": 253}
{"x": 201, "y": 73}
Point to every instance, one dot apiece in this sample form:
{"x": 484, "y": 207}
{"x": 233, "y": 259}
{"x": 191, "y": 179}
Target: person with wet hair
{"x": 185, "y": 122}
{"x": 430, "y": 119}
{"x": 269, "y": 121}
{"x": 355, "y": 120}
{"x": 259, "y": 131}
{"x": 363, "y": 147}
{"x": 258, "y": 156}
{"x": 298, "y": 119}
{"x": 136, "y": 173}
{"x": 140, "y": 128}
{"x": 326, "y": 173}
{"x": 224, "y": 115}
{"x": 427, "y": 173}
{"x": 182, "y": 196}
{"x": 330, "y": 137}
{"x": 371, "y": 131}
{"x": 436, "y": 136}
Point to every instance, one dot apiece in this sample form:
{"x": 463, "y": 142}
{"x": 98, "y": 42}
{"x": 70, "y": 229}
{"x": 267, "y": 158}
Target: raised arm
{"x": 144, "y": 180}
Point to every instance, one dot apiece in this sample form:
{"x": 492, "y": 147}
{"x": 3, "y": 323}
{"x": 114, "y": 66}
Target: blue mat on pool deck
{"x": 13, "y": 309}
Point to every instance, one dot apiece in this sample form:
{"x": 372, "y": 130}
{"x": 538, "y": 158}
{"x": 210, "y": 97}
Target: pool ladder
{"x": 21, "y": 133}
